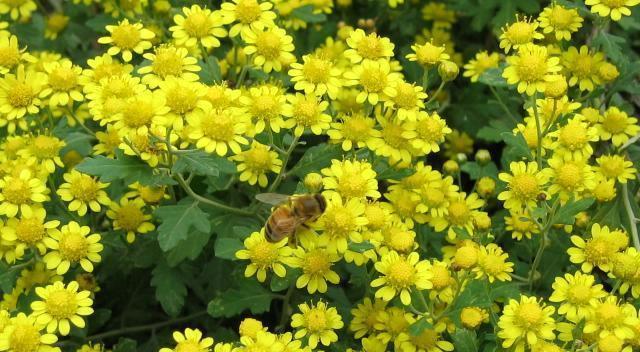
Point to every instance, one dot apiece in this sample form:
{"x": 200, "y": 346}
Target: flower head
{"x": 264, "y": 256}
{"x": 73, "y": 244}
{"x": 191, "y": 340}
{"x": 364, "y": 46}
{"x": 270, "y": 48}
{"x": 479, "y": 64}
{"x": 492, "y": 263}
{"x": 83, "y": 191}
{"x": 198, "y": 26}
{"x": 129, "y": 215}
{"x": 531, "y": 68}
{"x": 318, "y": 323}
{"x": 127, "y": 38}
{"x": 61, "y": 306}
{"x": 24, "y": 333}
{"x": 560, "y": 21}
{"x": 612, "y": 8}
{"x": 400, "y": 275}
{"x": 526, "y": 322}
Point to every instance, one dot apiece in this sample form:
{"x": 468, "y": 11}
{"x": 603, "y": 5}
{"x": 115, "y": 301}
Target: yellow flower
{"x": 21, "y": 193}
{"x": 191, "y": 340}
{"x": 83, "y": 191}
{"x": 316, "y": 75}
{"x": 264, "y": 256}
{"x": 531, "y": 68}
{"x": 560, "y": 20}
{"x": 492, "y": 264}
{"x": 29, "y": 231}
{"x": 102, "y": 67}
{"x": 526, "y": 322}
{"x": 56, "y": 23}
{"x": 375, "y": 79}
{"x": 582, "y": 67}
{"x": 353, "y": 131}
{"x": 318, "y": 323}
{"x": 481, "y": 62}
{"x": 249, "y": 15}
{"x": 458, "y": 142}
{"x": 401, "y": 275}
{"x": 577, "y": 294}
{"x": 18, "y": 10}
{"x": 126, "y": 38}
{"x": 406, "y": 99}
{"x": 307, "y": 111}
{"x": 472, "y": 317}
{"x": 365, "y": 317}
{"x": 256, "y": 162}
{"x": 367, "y": 47}
{"x": 62, "y": 306}
{"x": 615, "y": 167}
{"x": 519, "y": 33}
{"x": 63, "y": 85}
{"x": 617, "y": 126}
{"x": 129, "y": 216}
{"x": 72, "y": 244}
{"x": 574, "y": 138}
{"x": 24, "y": 333}
{"x": 394, "y": 142}
{"x": 393, "y": 322}
{"x": 44, "y": 150}
{"x": 218, "y": 130}
{"x": 266, "y": 105}
{"x": 520, "y": 224}
{"x": 269, "y": 47}
{"x": 315, "y": 262}
{"x": 428, "y": 54}
{"x": 439, "y": 14}
{"x": 169, "y": 60}
{"x": 459, "y": 215}
{"x": 198, "y": 26}
{"x": 427, "y": 132}
{"x": 341, "y": 222}
{"x": 139, "y": 113}
{"x": 351, "y": 179}
{"x": 12, "y": 55}
{"x": 107, "y": 97}
{"x": 611, "y": 8}
{"x": 610, "y": 316}
{"x": 183, "y": 98}
{"x": 570, "y": 176}
{"x": 19, "y": 95}
{"x": 596, "y": 251}
{"x": 429, "y": 340}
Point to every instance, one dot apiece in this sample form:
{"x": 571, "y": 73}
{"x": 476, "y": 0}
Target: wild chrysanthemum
{"x": 617, "y": 126}
{"x": 19, "y": 95}
{"x": 270, "y": 48}
{"x": 108, "y": 142}
{"x": 83, "y": 191}
{"x": 264, "y": 256}
{"x": 365, "y": 317}
{"x": 247, "y": 15}
{"x": 23, "y": 333}
{"x": 317, "y": 322}
{"x": 582, "y": 67}
{"x": 401, "y": 275}
{"x": 351, "y": 179}
{"x": 169, "y": 60}
{"x": 375, "y": 81}
{"x": 393, "y": 322}
{"x": 526, "y": 322}
{"x": 612, "y": 8}
{"x": 460, "y": 213}
{"x": 353, "y": 131}
{"x": 266, "y": 105}
{"x": 107, "y": 97}
{"x": 221, "y": 96}
{"x": 103, "y": 66}
{"x": 307, "y": 111}
{"x": 429, "y": 340}
{"x": 63, "y": 83}
{"x": 12, "y": 54}
{"x": 19, "y": 9}
{"x": 127, "y": 38}
{"x": 72, "y": 244}
{"x": 341, "y": 222}
{"x": 140, "y": 112}
{"x": 21, "y": 193}
{"x": 316, "y": 75}
{"x": 428, "y": 54}
{"x": 394, "y": 142}
{"x": 569, "y": 176}
{"x": 250, "y": 327}
{"x": 595, "y": 251}
{"x": 198, "y": 26}
{"x": 574, "y": 138}
{"x": 406, "y": 99}
{"x": 427, "y": 132}
{"x": 520, "y": 224}
{"x": 481, "y": 62}
{"x": 191, "y": 340}
{"x": 218, "y": 131}
{"x": 315, "y": 262}
{"x": 611, "y": 316}
{"x": 364, "y": 46}
{"x": 492, "y": 263}
{"x": 531, "y": 68}
{"x": 576, "y": 294}
{"x": 148, "y": 146}
{"x": 29, "y": 231}
{"x": 44, "y": 150}
{"x": 615, "y": 167}
{"x": 519, "y": 33}
{"x": 56, "y": 22}
{"x": 129, "y": 215}
{"x": 255, "y": 162}
{"x": 472, "y": 317}
{"x": 62, "y": 306}
{"x": 560, "y": 20}
{"x": 457, "y": 142}
{"x": 183, "y": 98}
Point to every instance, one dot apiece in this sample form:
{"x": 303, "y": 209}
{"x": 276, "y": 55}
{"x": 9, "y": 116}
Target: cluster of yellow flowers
{"x": 228, "y": 82}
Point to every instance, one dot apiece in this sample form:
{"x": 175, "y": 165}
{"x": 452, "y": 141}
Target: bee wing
{"x": 272, "y": 198}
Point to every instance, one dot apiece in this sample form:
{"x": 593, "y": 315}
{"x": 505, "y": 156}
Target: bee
{"x": 290, "y": 213}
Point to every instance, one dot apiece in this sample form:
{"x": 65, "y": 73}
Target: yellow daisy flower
{"x": 56, "y": 22}
{"x": 429, "y": 340}
{"x": 190, "y": 340}
{"x": 169, "y": 60}
{"x": 341, "y": 222}
{"x": 306, "y": 111}
{"x": 21, "y": 193}
{"x": 428, "y": 54}
{"x": 44, "y": 150}
{"x": 582, "y": 67}
{"x": 24, "y": 333}
{"x": 72, "y": 244}
{"x": 264, "y": 256}
{"x": 569, "y": 176}
{"x": 365, "y": 317}
{"x": 427, "y": 132}
{"x": 353, "y": 131}
{"x": 364, "y": 47}
{"x": 351, "y": 179}
{"x": 140, "y": 112}
{"x": 183, "y": 99}
{"x": 270, "y": 48}
{"x": 574, "y": 138}
{"x": 460, "y": 214}
{"x": 616, "y": 167}
{"x": 400, "y": 275}
{"x": 576, "y": 294}
{"x": 12, "y": 55}
{"x": 255, "y": 162}
{"x": 610, "y": 316}
{"x": 198, "y": 26}
{"x": 126, "y": 38}
{"x": 83, "y": 191}
{"x": 247, "y": 15}
{"x": 18, "y": 10}
{"x": 526, "y": 323}
{"x": 375, "y": 79}
{"x": 317, "y": 322}
{"x": 62, "y": 306}
{"x": 492, "y": 263}
{"x": 520, "y": 225}
{"x": 266, "y": 105}
{"x": 103, "y": 66}
{"x": 519, "y": 33}
{"x": 315, "y": 262}
{"x": 611, "y": 8}
{"x": 108, "y": 142}
{"x": 617, "y": 126}
{"x": 107, "y": 97}
{"x": 406, "y": 99}
{"x": 19, "y": 95}
{"x": 63, "y": 83}
{"x": 218, "y": 131}
{"x": 316, "y": 75}
{"x": 560, "y": 20}
{"x": 595, "y": 251}
{"x": 129, "y": 216}
{"x": 531, "y": 68}
{"x": 29, "y": 231}
{"x": 481, "y": 62}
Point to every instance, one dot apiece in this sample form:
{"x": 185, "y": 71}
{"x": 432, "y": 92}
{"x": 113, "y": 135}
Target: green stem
{"x": 434, "y": 95}
{"x": 536, "y": 260}
{"x": 425, "y": 79}
{"x": 77, "y": 120}
{"x": 503, "y": 105}
{"x": 285, "y": 160}
{"x": 616, "y": 286}
{"x": 285, "y": 308}
{"x": 140, "y": 328}
{"x": 632, "y": 226}
{"x": 243, "y": 73}
{"x": 538, "y": 131}
{"x": 211, "y": 202}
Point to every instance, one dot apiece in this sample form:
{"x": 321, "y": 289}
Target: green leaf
{"x": 493, "y": 132}
{"x": 170, "y": 288}
{"x": 125, "y": 168}
{"x": 188, "y": 248}
{"x": 226, "y": 247}
{"x": 517, "y": 142}
{"x": 316, "y": 158}
{"x": 566, "y": 213}
{"x": 465, "y": 340}
{"x": 78, "y": 141}
{"x": 202, "y": 163}
{"x": 125, "y": 345}
{"x": 210, "y": 72}
{"x": 247, "y": 295}
{"x": 7, "y": 278}
{"x": 99, "y": 22}
{"x": 611, "y": 44}
{"x": 177, "y": 220}
{"x": 307, "y": 14}
{"x": 477, "y": 171}
{"x": 419, "y": 326}
{"x": 361, "y": 247}
{"x": 282, "y": 283}
{"x": 493, "y": 77}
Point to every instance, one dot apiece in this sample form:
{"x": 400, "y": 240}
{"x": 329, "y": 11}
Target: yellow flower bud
{"x": 483, "y": 156}
{"x": 608, "y": 72}
{"x": 466, "y": 257}
{"x": 486, "y": 186}
{"x": 556, "y": 87}
{"x": 472, "y": 317}
{"x": 482, "y": 221}
{"x": 451, "y": 167}
{"x": 313, "y": 182}
{"x": 250, "y": 327}
{"x": 448, "y": 70}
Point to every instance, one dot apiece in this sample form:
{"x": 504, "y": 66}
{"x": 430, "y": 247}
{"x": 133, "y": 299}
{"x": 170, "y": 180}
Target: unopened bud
{"x": 461, "y": 157}
{"x": 313, "y": 182}
{"x": 448, "y": 70}
{"x": 483, "y": 157}
{"x": 486, "y": 186}
{"x": 451, "y": 167}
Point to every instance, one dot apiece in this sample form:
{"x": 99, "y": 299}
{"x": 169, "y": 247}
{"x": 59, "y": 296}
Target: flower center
{"x": 612, "y": 167}
{"x": 137, "y": 113}
{"x": 406, "y": 96}
{"x": 614, "y": 4}
{"x": 316, "y": 262}
{"x": 265, "y": 107}
{"x": 84, "y": 188}
{"x": 583, "y": 66}
{"x": 458, "y": 212}
{"x": 181, "y": 100}
{"x": 492, "y": 264}
{"x": 529, "y": 315}
{"x": 614, "y": 122}
{"x": 20, "y": 95}
{"x": 520, "y": 32}
{"x": 29, "y": 230}
{"x": 597, "y": 251}
{"x": 316, "y": 320}
{"x": 560, "y": 18}
{"x": 352, "y": 184}
{"x": 339, "y": 221}
{"x": 609, "y": 314}
{"x": 258, "y": 159}
{"x": 430, "y": 129}
{"x": 17, "y": 192}
{"x": 441, "y": 277}
{"x": 125, "y": 36}
{"x": 579, "y": 294}
{"x": 317, "y": 70}
{"x": 268, "y": 45}
{"x": 532, "y": 67}
{"x": 9, "y": 56}
{"x": 264, "y": 254}
{"x": 573, "y": 136}
{"x": 400, "y": 240}
{"x": 73, "y": 246}
{"x": 434, "y": 197}
{"x": 525, "y": 186}
{"x": 248, "y": 11}
{"x": 61, "y": 304}
{"x": 356, "y": 128}
{"x": 373, "y": 79}
{"x": 370, "y": 47}
{"x": 130, "y": 217}
{"x": 426, "y": 340}
{"x": 401, "y": 274}
{"x": 392, "y": 135}
{"x": 24, "y": 338}
{"x": 569, "y": 176}
{"x": 218, "y": 127}
{"x": 167, "y": 63}
{"x": 63, "y": 79}
{"x": 429, "y": 54}
{"x": 197, "y": 24}
{"x": 307, "y": 112}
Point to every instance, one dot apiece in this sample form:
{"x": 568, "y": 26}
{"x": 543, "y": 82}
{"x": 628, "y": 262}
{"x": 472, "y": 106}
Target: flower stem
{"x": 503, "y": 105}
{"x": 538, "y": 131}
{"x": 208, "y": 201}
{"x": 632, "y": 226}
{"x": 285, "y": 160}
{"x": 140, "y": 328}
{"x": 434, "y": 95}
